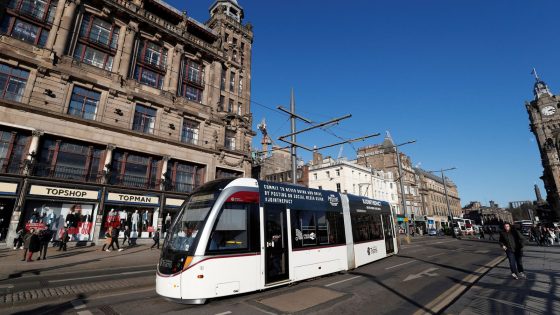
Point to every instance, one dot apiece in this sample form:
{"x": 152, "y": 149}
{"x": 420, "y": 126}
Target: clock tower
{"x": 544, "y": 117}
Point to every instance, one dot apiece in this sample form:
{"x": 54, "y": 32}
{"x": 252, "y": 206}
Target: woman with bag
{"x": 108, "y": 239}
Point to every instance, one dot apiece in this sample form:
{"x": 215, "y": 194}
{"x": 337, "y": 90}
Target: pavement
{"x": 498, "y": 293}
{"x": 75, "y": 272}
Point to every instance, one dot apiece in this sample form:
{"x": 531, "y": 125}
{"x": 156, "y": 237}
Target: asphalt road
{"x": 423, "y": 272}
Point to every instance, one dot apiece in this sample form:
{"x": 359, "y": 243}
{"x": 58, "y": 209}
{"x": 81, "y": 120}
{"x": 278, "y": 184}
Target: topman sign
{"x": 128, "y": 198}
{"x": 59, "y": 192}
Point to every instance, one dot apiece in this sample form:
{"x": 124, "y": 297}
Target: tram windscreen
{"x": 190, "y": 222}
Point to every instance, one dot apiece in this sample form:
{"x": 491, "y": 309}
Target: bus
{"x": 524, "y": 226}
{"x": 234, "y": 236}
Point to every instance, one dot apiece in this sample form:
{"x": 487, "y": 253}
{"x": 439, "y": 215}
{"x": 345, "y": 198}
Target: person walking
{"x": 156, "y": 239}
{"x": 126, "y": 235}
{"x": 551, "y": 236}
{"x": 536, "y": 234}
{"x": 63, "y": 240}
{"x": 115, "y": 239}
{"x": 45, "y": 237}
{"x": 26, "y": 240}
{"x": 18, "y": 240}
{"x": 34, "y": 245}
{"x": 108, "y": 239}
{"x": 512, "y": 243}
{"x": 481, "y": 232}
{"x": 491, "y": 234}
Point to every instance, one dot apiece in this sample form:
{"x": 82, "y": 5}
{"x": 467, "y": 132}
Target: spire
{"x": 538, "y": 194}
{"x": 388, "y": 143}
{"x": 540, "y": 88}
{"x": 228, "y": 7}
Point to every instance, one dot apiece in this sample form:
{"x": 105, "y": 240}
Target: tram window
{"x": 366, "y": 226}
{"x": 317, "y": 228}
{"x": 232, "y": 232}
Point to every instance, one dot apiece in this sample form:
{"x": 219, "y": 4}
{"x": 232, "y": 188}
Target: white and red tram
{"x": 240, "y": 235}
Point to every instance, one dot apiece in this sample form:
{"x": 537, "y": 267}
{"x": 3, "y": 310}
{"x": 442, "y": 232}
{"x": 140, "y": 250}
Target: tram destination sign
{"x": 362, "y": 204}
{"x": 301, "y": 198}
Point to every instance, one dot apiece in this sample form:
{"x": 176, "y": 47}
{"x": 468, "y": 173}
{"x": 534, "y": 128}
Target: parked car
{"x": 432, "y": 232}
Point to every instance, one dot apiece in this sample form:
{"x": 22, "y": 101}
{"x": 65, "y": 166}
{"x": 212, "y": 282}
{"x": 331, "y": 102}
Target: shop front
{"x": 8, "y": 196}
{"x": 170, "y": 210}
{"x": 59, "y": 207}
{"x": 138, "y": 213}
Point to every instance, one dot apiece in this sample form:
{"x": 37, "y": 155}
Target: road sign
{"x": 428, "y": 272}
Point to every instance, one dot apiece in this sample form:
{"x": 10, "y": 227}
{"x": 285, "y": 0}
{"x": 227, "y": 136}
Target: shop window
{"x": 190, "y": 131}
{"x": 225, "y": 173}
{"x": 139, "y": 220}
{"x": 366, "y": 226}
{"x": 192, "y": 80}
{"x": 55, "y": 216}
{"x": 317, "y": 228}
{"x": 13, "y": 146}
{"x": 144, "y": 119}
{"x": 84, "y": 103}
{"x": 135, "y": 170}
{"x": 183, "y": 176}
{"x": 97, "y": 42}
{"x": 150, "y": 64}
{"x": 12, "y": 82}
{"x": 237, "y": 229}
{"x": 29, "y": 20}
{"x": 66, "y": 159}
{"x": 230, "y": 140}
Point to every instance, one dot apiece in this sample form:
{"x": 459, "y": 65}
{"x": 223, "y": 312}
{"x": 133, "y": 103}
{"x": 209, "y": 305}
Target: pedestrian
{"x": 551, "y": 236}
{"x": 108, "y": 239}
{"x": 18, "y": 240}
{"x": 536, "y": 234}
{"x": 512, "y": 243}
{"x": 481, "y": 231}
{"x": 34, "y": 245}
{"x": 490, "y": 234}
{"x": 45, "y": 237}
{"x": 557, "y": 233}
{"x": 126, "y": 235}
{"x": 115, "y": 239}
{"x": 63, "y": 240}
{"x": 26, "y": 240}
{"x": 544, "y": 235}
{"x": 156, "y": 239}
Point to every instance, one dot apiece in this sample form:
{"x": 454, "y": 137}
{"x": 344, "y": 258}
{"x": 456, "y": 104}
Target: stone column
{"x": 174, "y": 69}
{"x": 32, "y": 152}
{"x": 214, "y": 88}
{"x": 65, "y": 27}
{"x": 164, "y": 163}
{"x": 56, "y": 24}
{"x": 120, "y": 44}
{"x": 107, "y": 162}
{"x": 127, "y": 50}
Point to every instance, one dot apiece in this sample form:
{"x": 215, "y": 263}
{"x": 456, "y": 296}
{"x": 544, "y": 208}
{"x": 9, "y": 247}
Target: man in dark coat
{"x": 63, "y": 240}
{"x": 34, "y": 245}
{"x": 26, "y": 240}
{"x": 512, "y": 243}
{"x": 115, "y": 239}
{"x": 45, "y": 237}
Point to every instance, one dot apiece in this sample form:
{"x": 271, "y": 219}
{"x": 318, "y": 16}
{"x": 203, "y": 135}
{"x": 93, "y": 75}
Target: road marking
{"x": 341, "y": 281}
{"x": 102, "y": 276}
{"x": 444, "y": 299}
{"x": 395, "y": 266}
{"x": 428, "y": 272}
{"x": 78, "y": 304}
{"x": 431, "y": 256}
{"x": 441, "y": 242}
{"x": 7, "y": 286}
{"x": 85, "y": 313}
{"x": 224, "y": 313}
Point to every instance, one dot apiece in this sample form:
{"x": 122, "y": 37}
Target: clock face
{"x": 548, "y": 110}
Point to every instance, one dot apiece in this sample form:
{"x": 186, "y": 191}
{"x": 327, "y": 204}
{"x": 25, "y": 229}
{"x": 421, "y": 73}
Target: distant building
{"x": 302, "y": 175}
{"x": 486, "y": 215}
{"x": 518, "y": 204}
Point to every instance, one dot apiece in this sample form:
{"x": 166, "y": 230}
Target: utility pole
{"x": 452, "y": 221}
{"x": 401, "y": 184}
{"x": 293, "y": 138}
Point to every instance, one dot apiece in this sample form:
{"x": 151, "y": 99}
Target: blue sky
{"x": 454, "y": 75}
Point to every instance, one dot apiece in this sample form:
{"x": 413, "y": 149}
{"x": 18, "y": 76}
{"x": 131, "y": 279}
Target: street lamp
{"x": 442, "y": 171}
{"x": 401, "y": 183}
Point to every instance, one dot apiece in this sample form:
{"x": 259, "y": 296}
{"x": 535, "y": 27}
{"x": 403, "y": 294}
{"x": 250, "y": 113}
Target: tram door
{"x": 276, "y": 244}
{"x": 388, "y": 232}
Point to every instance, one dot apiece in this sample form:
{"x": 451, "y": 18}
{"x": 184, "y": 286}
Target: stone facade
{"x": 544, "y": 120}
{"x": 139, "y": 83}
{"x": 434, "y": 200}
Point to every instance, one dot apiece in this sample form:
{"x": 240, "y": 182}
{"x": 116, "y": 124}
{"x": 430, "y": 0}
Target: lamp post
{"x": 442, "y": 171}
{"x": 401, "y": 183}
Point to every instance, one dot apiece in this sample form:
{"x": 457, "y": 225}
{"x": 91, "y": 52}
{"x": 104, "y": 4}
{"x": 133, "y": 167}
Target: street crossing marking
{"x": 395, "y": 266}
{"x": 341, "y": 281}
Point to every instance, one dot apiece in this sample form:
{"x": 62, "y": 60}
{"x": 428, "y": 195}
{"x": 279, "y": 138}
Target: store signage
{"x": 36, "y": 226}
{"x": 151, "y": 229}
{"x": 63, "y": 192}
{"x": 8, "y": 188}
{"x": 128, "y": 198}
{"x": 173, "y": 202}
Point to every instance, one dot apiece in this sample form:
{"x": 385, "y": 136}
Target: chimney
{"x": 317, "y": 158}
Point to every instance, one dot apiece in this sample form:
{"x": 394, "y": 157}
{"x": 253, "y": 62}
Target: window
{"x": 225, "y": 173}
{"x": 337, "y": 173}
{"x": 230, "y": 106}
{"x": 183, "y": 176}
{"x": 97, "y": 42}
{"x": 317, "y": 228}
{"x": 237, "y": 229}
{"x": 12, "y": 82}
{"x": 232, "y": 81}
{"x": 366, "y": 226}
{"x": 29, "y": 20}
{"x": 13, "y": 146}
{"x": 144, "y": 119}
{"x": 239, "y": 108}
{"x": 67, "y": 159}
{"x": 223, "y": 80}
{"x": 134, "y": 170}
{"x": 337, "y": 187}
{"x": 230, "y": 140}
{"x": 84, "y": 103}
{"x": 192, "y": 80}
{"x": 221, "y": 103}
{"x": 240, "y": 88}
{"x": 150, "y": 64}
{"x": 315, "y": 176}
{"x": 190, "y": 131}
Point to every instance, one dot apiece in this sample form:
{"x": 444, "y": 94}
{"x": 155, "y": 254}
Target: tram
{"x": 234, "y": 236}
